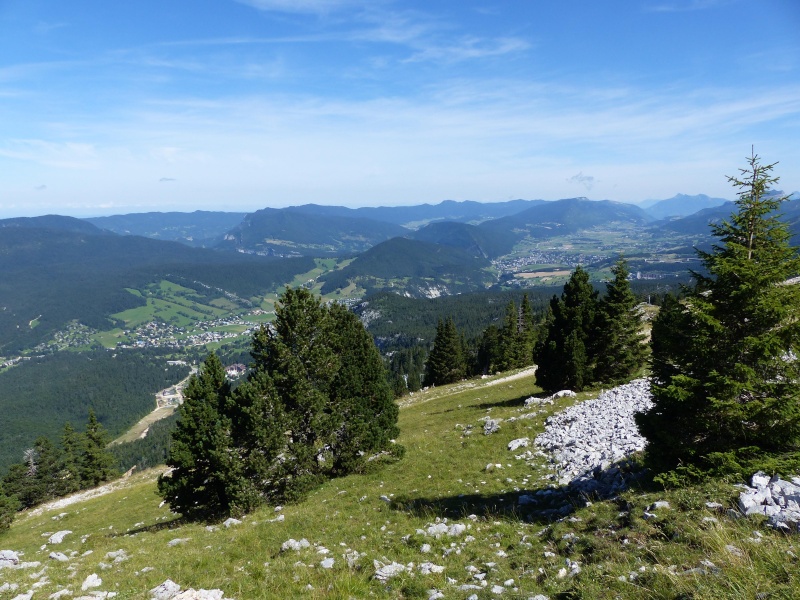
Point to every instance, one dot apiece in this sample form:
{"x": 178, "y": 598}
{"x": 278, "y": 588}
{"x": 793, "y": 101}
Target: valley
{"x": 71, "y": 287}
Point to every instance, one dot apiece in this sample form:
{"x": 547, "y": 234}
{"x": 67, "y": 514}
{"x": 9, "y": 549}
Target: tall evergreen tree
{"x": 488, "y": 358}
{"x": 72, "y": 444}
{"x": 445, "y": 361}
{"x": 97, "y": 463}
{"x": 508, "y": 347}
{"x": 204, "y": 469}
{"x": 564, "y": 356}
{"x": 619, "y": 339}
{"x": 727, "y": 376}
{"x": 297, "y": 355}
{"x": 363, "y": 411}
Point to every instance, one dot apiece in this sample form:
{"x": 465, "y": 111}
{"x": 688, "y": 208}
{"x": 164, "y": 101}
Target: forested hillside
{"x": 52, "y": 277}
{"x": 41, "y": 394}
{"x": 286, "y": 233}
{"x": 418, "y": 268}
{"x": 199, "y": 228}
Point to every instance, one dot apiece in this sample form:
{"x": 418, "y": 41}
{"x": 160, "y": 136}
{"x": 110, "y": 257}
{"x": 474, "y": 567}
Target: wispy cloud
{"x": 586, "y": 181}
{"x": 66, "y": 155}
{"x": 470, "y": 48}
{"x": 303, "y": 6}
{"x": 44, "y": 28}
{"x": 686, "y": 5}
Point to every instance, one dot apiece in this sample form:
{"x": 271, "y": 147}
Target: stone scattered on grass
{"x": 58, "y": 537}
{"x": 92, "y": 581}
{"x": 165, "y": 591}
{"x": 384, "y": 573}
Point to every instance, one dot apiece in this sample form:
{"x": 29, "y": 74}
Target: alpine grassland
{"x": 451, "y": 474}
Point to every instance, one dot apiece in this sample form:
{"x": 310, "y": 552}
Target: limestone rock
{"x": 8, "y": 558}
{"x": 58, "y": 537}
{"x": 165, "y": 591}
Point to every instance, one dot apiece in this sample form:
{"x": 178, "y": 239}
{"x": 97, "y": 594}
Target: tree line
{"x": 582, "y": 340}
{"x": 49, "y": 471}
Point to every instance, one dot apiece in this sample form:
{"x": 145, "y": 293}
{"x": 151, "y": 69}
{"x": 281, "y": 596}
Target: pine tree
{"x": 204, "y": 468}
{"x": 96, "y": 462}
{"x": 565, "y": 355}
{"x": 363, "y": 411}
{"x": 296, "y": 354}
{"x": 318, "y": 399}
{"x": 619, "y": 339}
{"x": 445, "y": 361}
{"x": 726, "y": 379}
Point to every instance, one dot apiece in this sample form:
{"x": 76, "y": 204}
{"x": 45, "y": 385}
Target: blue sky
{"x": 113, "y": 107}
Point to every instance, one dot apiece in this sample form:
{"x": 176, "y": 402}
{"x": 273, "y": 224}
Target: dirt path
{"x": 167, "y": 401}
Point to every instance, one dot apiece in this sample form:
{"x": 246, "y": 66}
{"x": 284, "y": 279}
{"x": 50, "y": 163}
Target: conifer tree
{"x": 72, "y": 444}
{"x": 445, "y": 361}
{"x": 726, "y": 376}
{"x": 316, "y": 404}
{"x": 619, "y": 338}
{"x": 97, "y": 463}
{"x": 296, "y": 354}
{"x": 204, "y": 469}
{"x": 527, "y": 332}
{"x": 489, "y": 351}
{"x": 508, "y": 348}
{"x": 564, "y": 356}
{"x": 9, "y": 505}
{"x": 363, "y": 411}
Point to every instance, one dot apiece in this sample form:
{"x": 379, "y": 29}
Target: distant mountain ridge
{"x": 680, "y": 205}
{"x": 465, "y": 211}
{"x": 198, "y": 228}
{"x": 53, "y": 222}
{"x": 285, "y": 232}
{"x": 566, "y": 216}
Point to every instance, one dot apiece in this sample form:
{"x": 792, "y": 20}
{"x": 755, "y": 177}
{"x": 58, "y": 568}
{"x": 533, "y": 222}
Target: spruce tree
{"x": 445, "y": 361}
{"x": 565, "y": 355}
{"x": 619, "y": 339}
{"x": 96, "y": 462}
{"x": 204, "y": 468}
{"x": 509, "y": 339}
{"x": 72, "y": 444}
{"x": 726, "y": 379}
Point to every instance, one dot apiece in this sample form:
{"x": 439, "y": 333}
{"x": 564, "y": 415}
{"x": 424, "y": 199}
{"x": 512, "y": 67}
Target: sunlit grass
{"x": 383, "y": 515}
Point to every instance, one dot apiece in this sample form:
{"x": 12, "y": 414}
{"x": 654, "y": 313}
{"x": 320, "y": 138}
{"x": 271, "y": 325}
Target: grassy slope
{"x": 612, "y": 540}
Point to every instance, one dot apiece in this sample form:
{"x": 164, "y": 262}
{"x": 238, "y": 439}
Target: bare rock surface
{"x": 775, "y": 498}
{"x": 591, "y": 436}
